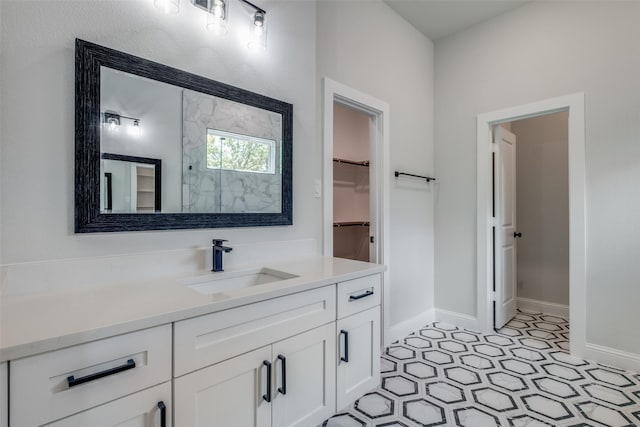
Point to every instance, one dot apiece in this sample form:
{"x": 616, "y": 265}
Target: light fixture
{"x": 258, "y": 31}
{"x": 113, "y": 120}
{"x": 170, "y": 7}
{"x": 217, "y": 17}
{"x": 134, "y": 130}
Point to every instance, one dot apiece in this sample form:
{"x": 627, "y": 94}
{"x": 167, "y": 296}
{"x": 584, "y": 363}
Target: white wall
{"x": 37, "y": 73}
{"x": 542, "y": 207}
{"x": 367, "y": 46}
{"x": 539, "y": 51}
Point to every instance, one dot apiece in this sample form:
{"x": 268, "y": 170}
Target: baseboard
{"x": 458, "y": 319}
{"x": 612, "y": 357}
{"x": 404, "y": 328}
{"x": 544, "y": 307}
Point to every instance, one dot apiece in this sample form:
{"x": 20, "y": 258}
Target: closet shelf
{"x": 351, "y": 162}
{"x": 351, "y": 224}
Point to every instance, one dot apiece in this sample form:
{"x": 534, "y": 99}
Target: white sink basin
{"x": 225, "y": 282}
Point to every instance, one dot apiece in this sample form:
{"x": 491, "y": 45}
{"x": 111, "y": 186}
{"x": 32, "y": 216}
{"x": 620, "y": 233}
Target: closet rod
{"x": 351, "y": 162}
{"x": 428, "y": 178}
{"x": 351, "y": 224}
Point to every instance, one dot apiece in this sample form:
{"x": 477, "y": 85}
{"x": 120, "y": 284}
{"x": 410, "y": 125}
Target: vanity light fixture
{"x": 113, "y": 120}
{"x": 134, "y": 130}
{"x": 258, "y": 31}
{"x": 218, "y": 19}
{"x": 170, "y": 7}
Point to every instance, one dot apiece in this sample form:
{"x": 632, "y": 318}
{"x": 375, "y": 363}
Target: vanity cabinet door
{"x": 358, "y": 355}
{"x": 228, "y": 394}
{"x": 147, "y": 408}
{"x": 304, "y": 378}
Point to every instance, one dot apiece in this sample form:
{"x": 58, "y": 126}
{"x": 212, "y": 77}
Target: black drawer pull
{"x": 283, "y": 389}
{"x": 364, "y": 295}
{"x": 267, "y": 396}
{"x": 345, "y": 358}
{"x": 73, "y": 381}
{"x": 163, "y": 414}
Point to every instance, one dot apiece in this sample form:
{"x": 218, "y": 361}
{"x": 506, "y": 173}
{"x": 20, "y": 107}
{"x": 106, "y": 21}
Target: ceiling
{"x": 437, "y": 19}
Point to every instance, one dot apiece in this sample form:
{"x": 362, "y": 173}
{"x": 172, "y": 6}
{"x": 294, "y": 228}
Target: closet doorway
{"x": 353, "y": 236}
{"x": 356, "y": 179}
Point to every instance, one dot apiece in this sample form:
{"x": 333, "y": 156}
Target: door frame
{"x": 575, "y": 105}
{"x": 378, "y": 187}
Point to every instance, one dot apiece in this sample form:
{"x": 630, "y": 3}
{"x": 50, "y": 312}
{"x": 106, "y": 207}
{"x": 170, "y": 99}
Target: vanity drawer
{"x": 358, "y": 295}
{"x": 41, "y": 391}
{"x": 209, "y": 339}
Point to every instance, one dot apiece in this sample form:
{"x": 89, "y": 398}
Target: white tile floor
{"x": 520, "y": 376}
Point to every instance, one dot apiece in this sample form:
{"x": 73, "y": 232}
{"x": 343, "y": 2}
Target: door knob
{"x": 517, "y": 234}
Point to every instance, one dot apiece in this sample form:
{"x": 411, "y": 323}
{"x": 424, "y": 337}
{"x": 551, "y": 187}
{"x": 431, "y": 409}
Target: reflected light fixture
{"x": 134, "y": 129}
{"x": 113, "y": 120}
{"x": 170, "y": 7}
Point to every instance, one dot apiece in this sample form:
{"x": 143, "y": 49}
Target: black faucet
{"x": 218, "y": 249}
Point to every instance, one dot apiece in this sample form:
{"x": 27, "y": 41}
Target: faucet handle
{"x": 219, "y": 242}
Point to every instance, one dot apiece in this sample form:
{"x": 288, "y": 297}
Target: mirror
{"x": 160, "y": 148}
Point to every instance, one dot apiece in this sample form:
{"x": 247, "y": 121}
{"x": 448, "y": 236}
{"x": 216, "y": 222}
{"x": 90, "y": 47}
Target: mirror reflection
{"x": 216, "y": 155}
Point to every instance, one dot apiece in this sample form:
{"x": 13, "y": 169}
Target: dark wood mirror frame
{"x": 88, "y": 218}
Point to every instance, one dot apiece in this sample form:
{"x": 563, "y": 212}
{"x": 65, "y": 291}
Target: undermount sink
{"x": 230, "y": 281}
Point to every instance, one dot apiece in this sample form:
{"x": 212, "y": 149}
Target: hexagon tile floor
{"x": 520, "y": 376}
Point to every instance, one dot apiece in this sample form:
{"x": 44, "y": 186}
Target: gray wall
{"x": 542, "y": 207}
{"x": 543, "y": 50}
{"x": 368, "y": 47}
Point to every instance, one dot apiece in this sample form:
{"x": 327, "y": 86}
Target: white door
{"x": 305, "y": 378}
{"x": 505, "y": 226}
{"x": 358, "y": 355}
{"x": 147, "y": 408}
{"x": 228, "y": 394}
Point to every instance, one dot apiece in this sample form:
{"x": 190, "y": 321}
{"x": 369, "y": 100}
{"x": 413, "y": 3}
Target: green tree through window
{"x": 240, "y": 153}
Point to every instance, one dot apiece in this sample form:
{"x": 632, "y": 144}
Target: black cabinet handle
{"x": 283, "y": 389}
{"x": 163, "y": 414}
{"x": 517, "y": 234}
{"x": 73, "y": 381}
{"x": 346, "y": 346}
{"x": 364, "y": 295}
{"x": 267, "y": 396}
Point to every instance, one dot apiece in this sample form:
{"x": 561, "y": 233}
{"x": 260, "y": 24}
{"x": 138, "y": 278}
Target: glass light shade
{"x": 170, "y": 7}
{"x": 217, "y": 17}
{"x": 258, "y": 32}
{"x": 134, "y": 129}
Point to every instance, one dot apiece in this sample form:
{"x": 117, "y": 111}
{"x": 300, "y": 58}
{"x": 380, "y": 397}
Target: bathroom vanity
{"x": 287, "y": 345}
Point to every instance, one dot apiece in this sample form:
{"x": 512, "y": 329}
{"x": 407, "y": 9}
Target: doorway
{"x": 356, "y": 225}
{"x": 531, "y": 216}
{"x": 574, "y": 106}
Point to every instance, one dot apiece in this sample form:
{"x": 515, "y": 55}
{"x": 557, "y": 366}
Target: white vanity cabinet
{"x": 288, "y": 381}
{"x": 358, "y": 338}
{"x": 147, "y": 408}
{"x": 51, "y": 386}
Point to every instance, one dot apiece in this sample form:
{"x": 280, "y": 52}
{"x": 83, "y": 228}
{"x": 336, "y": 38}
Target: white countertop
{"x": 33, "y": 324}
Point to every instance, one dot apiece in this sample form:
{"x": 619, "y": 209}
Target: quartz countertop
{"x": 32, "y": 324}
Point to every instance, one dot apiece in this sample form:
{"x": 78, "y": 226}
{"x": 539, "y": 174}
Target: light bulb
{"x": 217, "y": 17}
{"x": 258, "y": 32}
{"x": 134, "y": 129}
{"x": 168, "y": 6}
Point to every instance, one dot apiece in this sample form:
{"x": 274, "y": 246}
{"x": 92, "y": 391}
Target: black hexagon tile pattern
{"x": 520, "y": 376}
